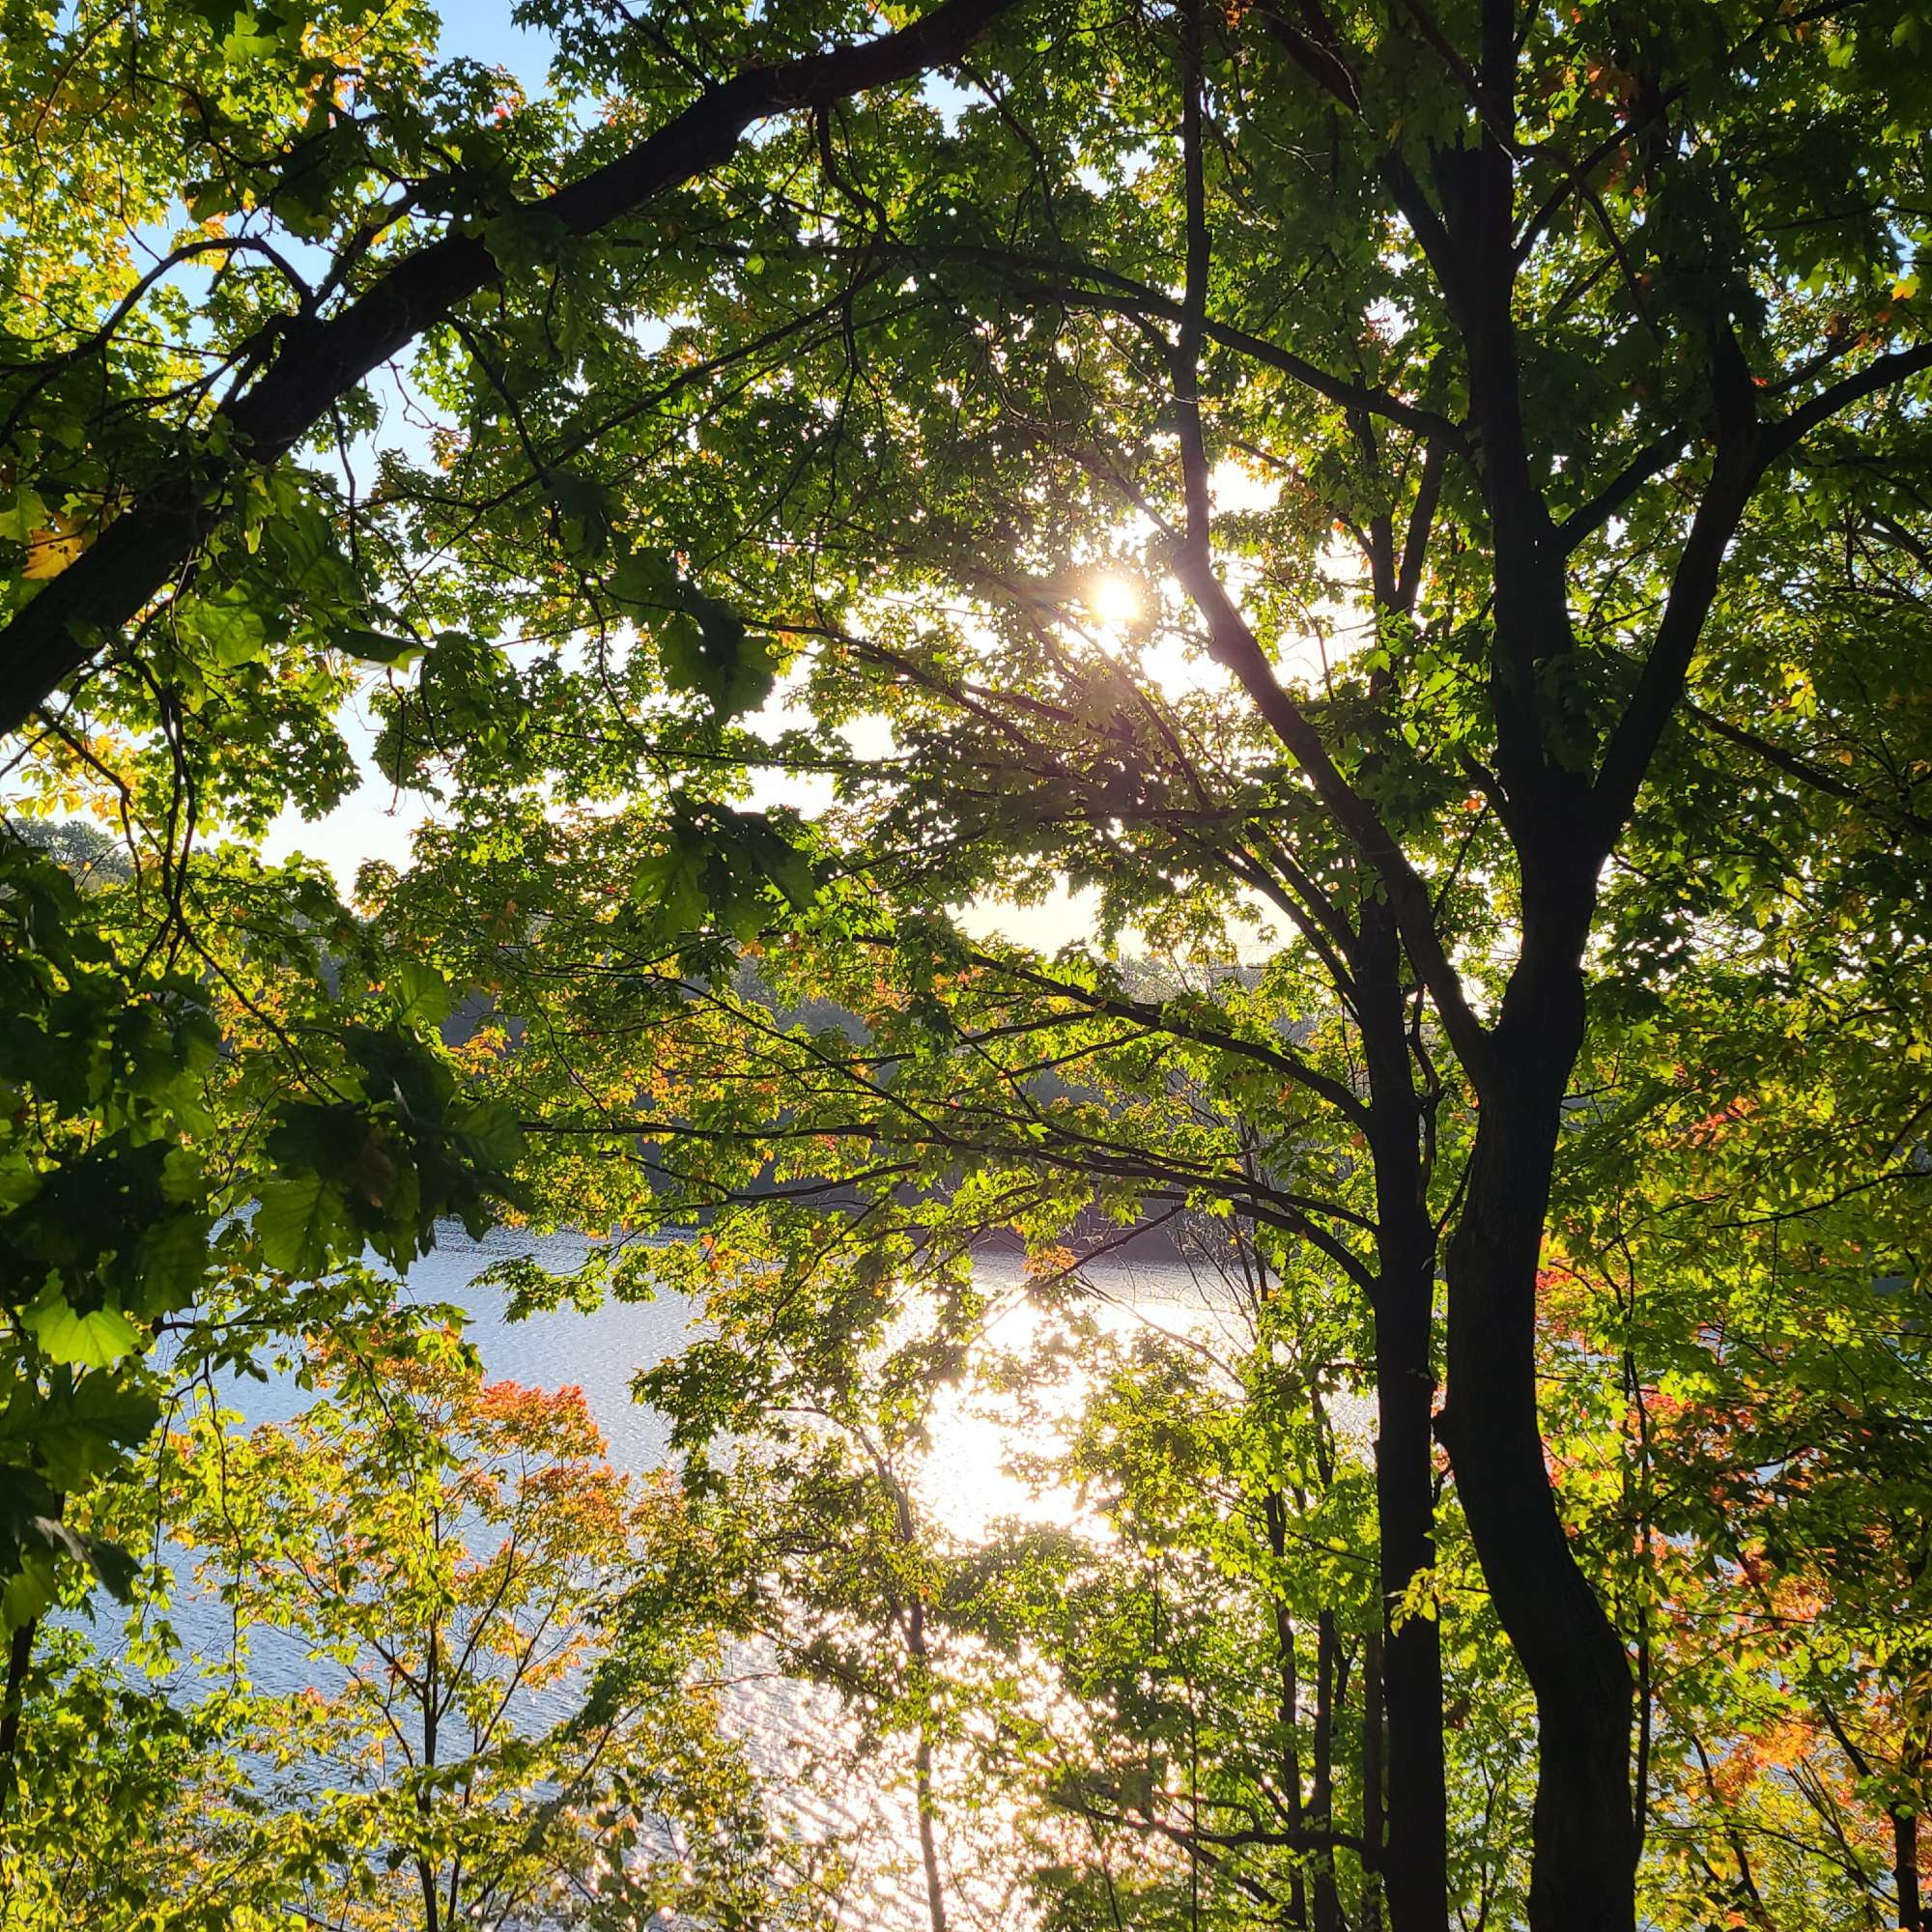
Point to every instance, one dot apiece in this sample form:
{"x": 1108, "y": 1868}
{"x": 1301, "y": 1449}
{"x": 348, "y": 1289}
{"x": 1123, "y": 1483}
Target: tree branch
{"x": 1794, "y": 766}
{"x": 1652, "y": 460}
{"x": 1745, "y": 449}
{"x": 1232, "y": 644}
{"x": 1899, "y": 365}
{"x": 150, "y": 542}
{"x": 1122, "y": 294}
{"x": 1156, "y": 1017}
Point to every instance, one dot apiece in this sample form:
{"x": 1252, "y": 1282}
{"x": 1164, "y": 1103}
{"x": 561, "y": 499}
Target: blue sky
{"x": 484, "y": 30}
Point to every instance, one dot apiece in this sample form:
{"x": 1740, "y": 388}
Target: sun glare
{"x": 1116, "y": 600}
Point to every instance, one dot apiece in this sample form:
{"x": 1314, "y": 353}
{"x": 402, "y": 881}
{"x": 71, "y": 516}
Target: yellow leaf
{"x": 50, "y": 549}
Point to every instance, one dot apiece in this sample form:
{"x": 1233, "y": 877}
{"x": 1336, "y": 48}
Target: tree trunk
{"x": 14, "y": 1702}
{"x": 928, "y": 1843}
{"x": 1288, "y": 1694}
{"x": 1327, "y": 1910}
{"x": 1583, "y": 1866}
{"x": 1372, "y": 1780}
{"x": 1905, "y": 1869}
{"x": 426, "y": 1872}
{"x": 1583, "y": 1869}
{"x": 1415, "y": 1875}
{"x": 19, "y": 1654}
{"x": 922, "y": 1772}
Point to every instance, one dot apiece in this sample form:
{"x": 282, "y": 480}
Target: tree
{"x": 131, "y": 1810}
{"x": 847, "y": 1173}
{"x": 1213, "y": 1716}
{"x": 334, "y": 140}
{"x": 1559, "y": 339}
{"x": 442, "y": 1549}
{"x": 151, "y": 1105}
{"x": 836, "y": 1266}
{"x": 823, "y": 1553}
{"x": 1743, "y": 1241}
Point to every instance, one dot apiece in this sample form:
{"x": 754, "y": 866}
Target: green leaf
{"x": 706, "y": 649}
{"x": 228, "y": 624}
{"x": 489, "y": 1132}
{"x": 26, "y": 515}
{"x": 252, "y": 37}
{"x": 33, "y": 1589}
{"x": 421, "y": 993}
{"x": 173, "y": 1262}
{"x": 529, "y": 236}
{"x": 670, "y": 886}
{"x": 301, "y": 1223}
{"x": 76, "y": 1436}
{"x": 96, "y": 1339}
{"x": 313, "y": 1138}
{"x": 107, "y": 1560}
{"x": 645, "y": 577}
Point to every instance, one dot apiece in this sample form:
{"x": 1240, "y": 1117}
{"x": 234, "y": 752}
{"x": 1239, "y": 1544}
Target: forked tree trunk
{"x": 1583, "y": 1872}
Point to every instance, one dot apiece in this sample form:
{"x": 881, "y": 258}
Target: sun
{"x": 1115, "y": 600}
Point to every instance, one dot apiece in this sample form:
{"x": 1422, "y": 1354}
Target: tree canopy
{"x": 1412, "y": 518}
